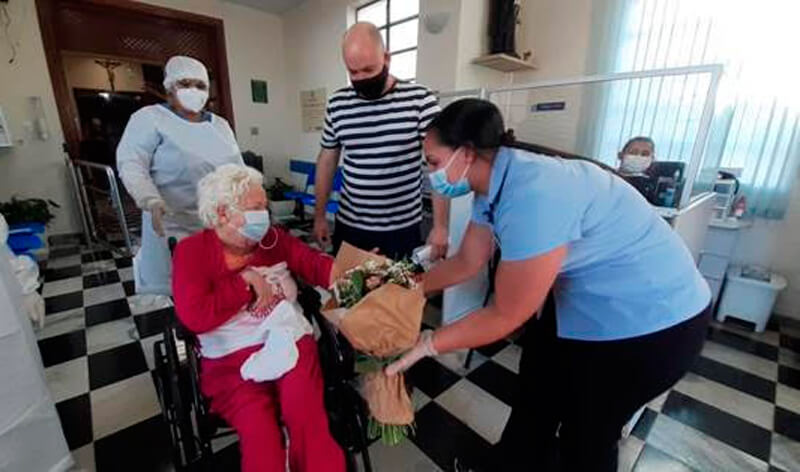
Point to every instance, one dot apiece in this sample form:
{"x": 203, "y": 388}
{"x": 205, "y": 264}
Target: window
{"x": 398, "y": 22}
{"x": 757, "y": 117}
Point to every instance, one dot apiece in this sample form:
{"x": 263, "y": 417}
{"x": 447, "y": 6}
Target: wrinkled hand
{"x": 34, "y": 306}
{"x": 157, "y": 210}
{"x": 281, "y": 279}
{"x": 423, "y": 348}
{"x": 262, "y": 290}
{"x": 322, "y": 233}
{"x": 438, "y": 241}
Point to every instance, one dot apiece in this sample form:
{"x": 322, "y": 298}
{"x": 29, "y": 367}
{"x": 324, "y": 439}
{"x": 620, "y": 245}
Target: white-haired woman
{"x": 164, "y": 152}
{"x": 243, "y": 319}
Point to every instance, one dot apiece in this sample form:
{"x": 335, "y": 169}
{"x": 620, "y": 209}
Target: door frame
{"x": 67, "y": 109}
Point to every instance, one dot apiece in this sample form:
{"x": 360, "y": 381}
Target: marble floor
{"x": 737, "y": 410}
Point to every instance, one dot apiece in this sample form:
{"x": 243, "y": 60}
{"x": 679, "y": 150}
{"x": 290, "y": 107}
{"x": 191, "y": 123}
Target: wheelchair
{"x": 192, "y": 426}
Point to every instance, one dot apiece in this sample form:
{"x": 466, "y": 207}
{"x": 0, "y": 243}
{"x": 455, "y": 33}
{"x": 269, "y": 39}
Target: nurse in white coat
{"x": 165, "y": 150}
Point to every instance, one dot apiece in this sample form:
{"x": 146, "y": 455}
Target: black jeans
{"x": 395, "y": 245}
{"x": 574, "y": 397}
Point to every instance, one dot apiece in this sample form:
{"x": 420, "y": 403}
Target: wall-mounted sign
{"x": 5, "y": 134}
{"x": 548, "y": 106}
{"x": 312, "y": 108}
{"x": 259, "y": 90}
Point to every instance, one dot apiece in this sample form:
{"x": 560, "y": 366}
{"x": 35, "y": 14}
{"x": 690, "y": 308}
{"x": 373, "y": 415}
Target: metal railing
{"x": 110, "y": 217}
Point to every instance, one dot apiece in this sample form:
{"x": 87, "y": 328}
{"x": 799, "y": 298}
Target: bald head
{"x": 362, "y": 35}
{"x": 363, "y": 51}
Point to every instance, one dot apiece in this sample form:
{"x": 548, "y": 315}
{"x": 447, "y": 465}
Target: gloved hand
{"x": 157, "y": 209}
{"x": 33, "y": 303}
{"x": 423, "y": 348}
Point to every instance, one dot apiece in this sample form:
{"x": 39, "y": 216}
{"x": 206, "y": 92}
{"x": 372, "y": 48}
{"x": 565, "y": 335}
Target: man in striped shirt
{"x": 376, "y": 125}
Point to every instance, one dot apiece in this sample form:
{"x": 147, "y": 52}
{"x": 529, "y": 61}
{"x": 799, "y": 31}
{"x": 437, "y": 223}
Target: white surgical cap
{"x": 184, "y": 67}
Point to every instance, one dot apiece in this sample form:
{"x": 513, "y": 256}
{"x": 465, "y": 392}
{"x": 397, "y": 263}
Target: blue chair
{"x": 309, "y": 169}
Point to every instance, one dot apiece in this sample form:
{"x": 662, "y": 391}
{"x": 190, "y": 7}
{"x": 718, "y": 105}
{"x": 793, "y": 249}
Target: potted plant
{"x": 27, "y": 219}
{"x": 279, "y": 204}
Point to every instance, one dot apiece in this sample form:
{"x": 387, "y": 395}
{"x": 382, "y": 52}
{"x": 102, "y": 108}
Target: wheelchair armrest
{"x": 309, "y": 299}
{"x": 336, "y": 354}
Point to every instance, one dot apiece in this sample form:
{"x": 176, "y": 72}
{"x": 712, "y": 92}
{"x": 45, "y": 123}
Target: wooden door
{"x": 133, "y": 31}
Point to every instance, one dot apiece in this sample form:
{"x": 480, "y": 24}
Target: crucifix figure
{"x": 109, "y": 66}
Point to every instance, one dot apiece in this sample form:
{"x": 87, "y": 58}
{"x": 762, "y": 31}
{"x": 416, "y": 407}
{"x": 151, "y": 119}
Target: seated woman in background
{"x": 637, "y": 156}
{"x": 259, "y": 360}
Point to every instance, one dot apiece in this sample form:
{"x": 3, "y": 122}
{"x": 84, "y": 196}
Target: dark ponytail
{"x": 477, "y": 123}
{"x": 470, "y": 122}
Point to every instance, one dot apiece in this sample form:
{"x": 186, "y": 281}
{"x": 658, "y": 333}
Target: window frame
{"x": 391, "y": 24}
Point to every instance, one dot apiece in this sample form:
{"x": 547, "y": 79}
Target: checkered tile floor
{"x": 737, "y": 410}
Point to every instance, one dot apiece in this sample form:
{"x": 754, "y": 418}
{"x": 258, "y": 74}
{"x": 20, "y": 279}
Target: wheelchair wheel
{"x": 175, "y": 393}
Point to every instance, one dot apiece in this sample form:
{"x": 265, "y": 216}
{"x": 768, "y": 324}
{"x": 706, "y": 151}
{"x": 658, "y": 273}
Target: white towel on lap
{"x": 277, "y": 357}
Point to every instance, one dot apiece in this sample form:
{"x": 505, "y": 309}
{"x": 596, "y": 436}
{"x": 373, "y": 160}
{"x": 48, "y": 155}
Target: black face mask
{"x": 372, "y": 87}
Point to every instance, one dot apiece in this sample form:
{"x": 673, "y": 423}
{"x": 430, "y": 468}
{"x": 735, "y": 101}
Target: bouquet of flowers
{"x": 378, "y": 307}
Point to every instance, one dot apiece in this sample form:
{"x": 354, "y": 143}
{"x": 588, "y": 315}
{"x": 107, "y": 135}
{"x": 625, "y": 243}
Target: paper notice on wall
{"x": 5, "y": 135}
{"x": 312, "y": 106}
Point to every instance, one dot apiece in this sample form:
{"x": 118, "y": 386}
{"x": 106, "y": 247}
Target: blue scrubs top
{"x": 626, "y": 274}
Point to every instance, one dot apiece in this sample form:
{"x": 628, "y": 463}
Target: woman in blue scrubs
{"x": 629, "y": 310}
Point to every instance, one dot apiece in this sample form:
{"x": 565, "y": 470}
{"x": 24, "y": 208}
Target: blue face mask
{"x": 256, "y": 224}
{"x": 440, "y": 185}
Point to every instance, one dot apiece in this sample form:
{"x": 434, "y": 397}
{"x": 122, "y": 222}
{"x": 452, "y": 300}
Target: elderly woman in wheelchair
{"x": 233, "y": 288}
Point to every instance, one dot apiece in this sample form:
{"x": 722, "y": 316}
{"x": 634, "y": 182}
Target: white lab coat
{"x": 31, "y": 438}
{"x": 163, "y": 156}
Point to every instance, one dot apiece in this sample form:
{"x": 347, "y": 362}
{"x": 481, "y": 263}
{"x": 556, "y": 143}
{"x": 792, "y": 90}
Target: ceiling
{"x": 270, "y": 6}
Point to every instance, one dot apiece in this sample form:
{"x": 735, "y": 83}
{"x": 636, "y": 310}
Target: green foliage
{"x": 28, "y": 210}
{"x": 365, "y": 364}
{"x": 390, "y": 434}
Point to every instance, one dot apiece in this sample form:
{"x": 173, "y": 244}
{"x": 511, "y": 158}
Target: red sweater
{"x": 207, "y": 293}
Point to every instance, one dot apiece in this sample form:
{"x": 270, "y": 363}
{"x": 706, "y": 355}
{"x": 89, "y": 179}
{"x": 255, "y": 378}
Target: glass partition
{"x": 596, "y": 116}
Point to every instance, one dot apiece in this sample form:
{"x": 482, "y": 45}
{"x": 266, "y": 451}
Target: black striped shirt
{"x": 381, "y": 142}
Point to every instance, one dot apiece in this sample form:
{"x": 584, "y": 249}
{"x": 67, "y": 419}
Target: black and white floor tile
{"x": 737, "y": 410}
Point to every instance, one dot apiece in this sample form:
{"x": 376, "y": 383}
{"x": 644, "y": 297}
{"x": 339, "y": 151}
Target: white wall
{"x": 33, "y": 168}
{"x": 83, "y": 72}
{"x": 436, "y": 60}
{"x": 473, "y": 42}
{"x": 558, "y": 32}
{"x": 313, "y": 35}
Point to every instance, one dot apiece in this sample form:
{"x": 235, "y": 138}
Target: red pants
{"x": 253, "y": 409}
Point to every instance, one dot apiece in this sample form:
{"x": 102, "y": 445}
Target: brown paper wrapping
{"x": 387, "y": 398}
{"x": 384, "y": 323}
{"x": 351, "y": 256}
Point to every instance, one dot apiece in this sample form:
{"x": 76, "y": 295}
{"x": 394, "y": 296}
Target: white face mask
{"x": 635, "y": 164}
{"x": 193, "y": 99}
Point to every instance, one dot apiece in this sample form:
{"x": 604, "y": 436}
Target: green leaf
{"x": 357, "y": 277}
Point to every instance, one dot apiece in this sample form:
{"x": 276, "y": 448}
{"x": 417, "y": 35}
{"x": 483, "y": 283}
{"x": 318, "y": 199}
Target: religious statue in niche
{"x": 109, "y": 66}
{"x": 503, "y": 20}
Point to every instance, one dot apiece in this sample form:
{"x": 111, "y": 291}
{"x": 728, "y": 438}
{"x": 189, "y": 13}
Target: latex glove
{"x": 438, "y": 241}
{"x": 322, "y": 232}
{"x": 157, "y": 210}
{"x": 423, "y": 348}
{"x": 34, "y": 306}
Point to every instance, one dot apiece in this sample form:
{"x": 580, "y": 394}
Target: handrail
{"x": 116, "y": 199}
